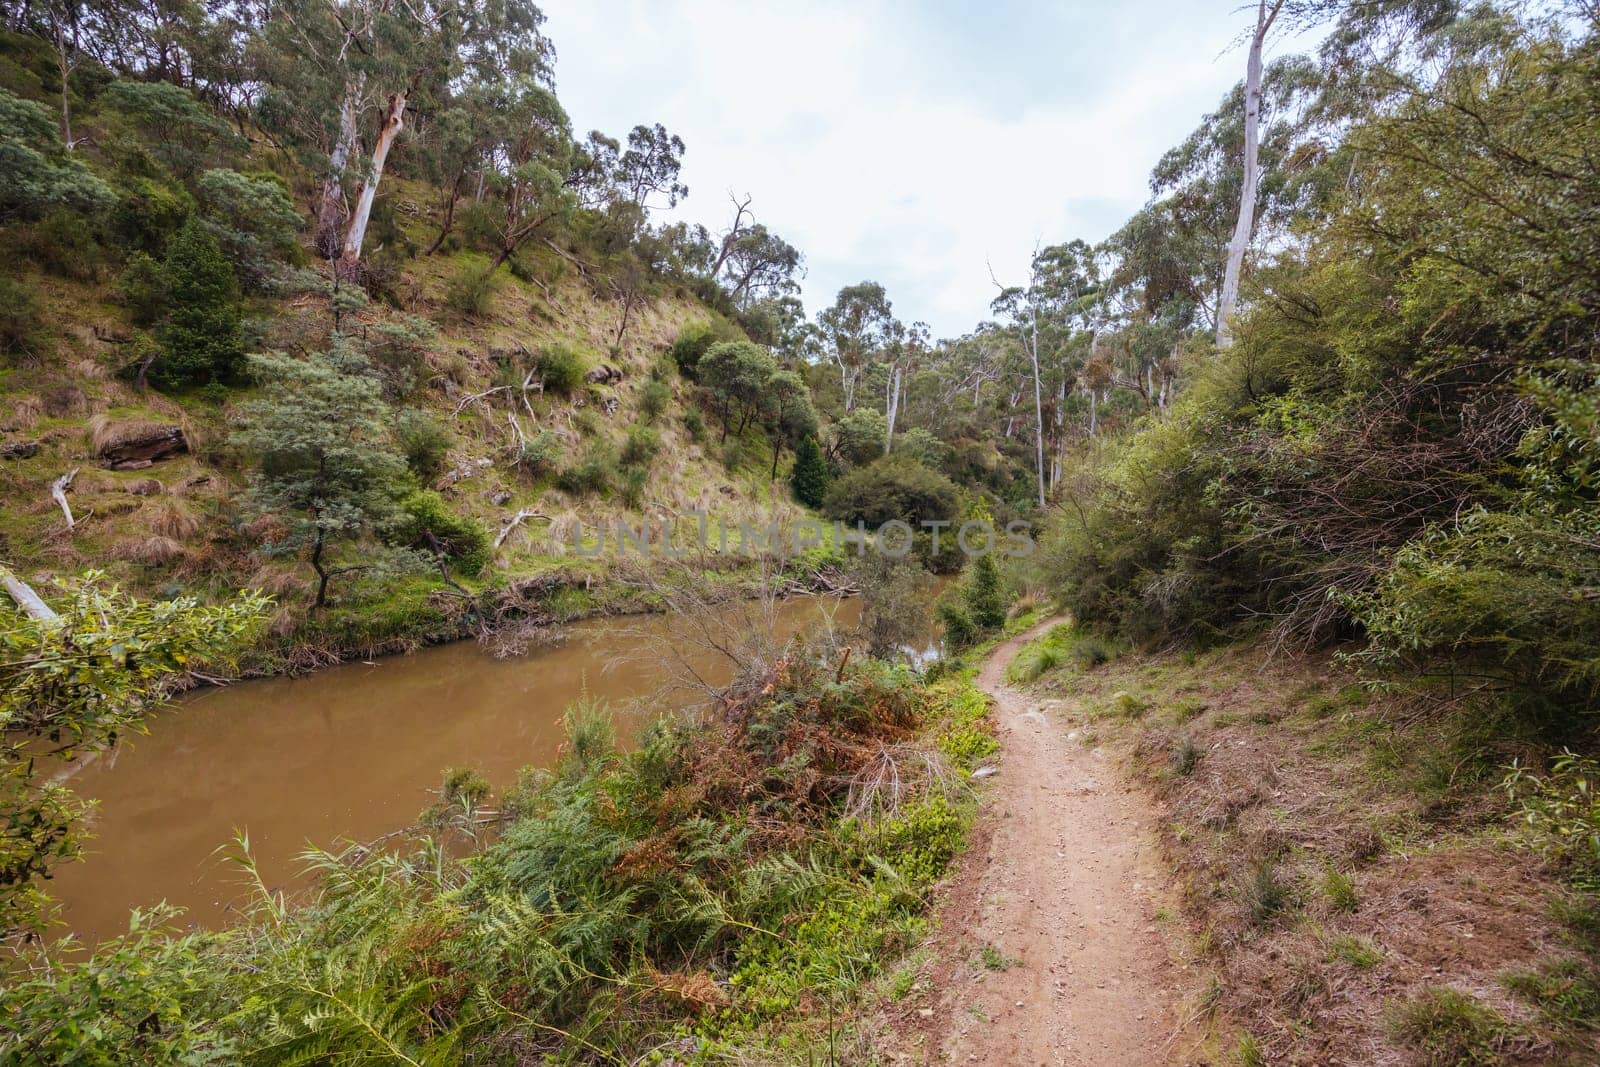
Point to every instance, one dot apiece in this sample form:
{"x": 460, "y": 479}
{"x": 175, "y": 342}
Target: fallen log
{"x": 26, "y": 598}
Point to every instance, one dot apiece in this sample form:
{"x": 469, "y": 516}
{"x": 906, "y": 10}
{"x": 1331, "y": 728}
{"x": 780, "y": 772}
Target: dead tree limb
{"x": 58, "y": 490}
{"x": 517, "y": 520}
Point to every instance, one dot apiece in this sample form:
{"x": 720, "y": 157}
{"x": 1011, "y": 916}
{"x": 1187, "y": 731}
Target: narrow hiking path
{"x": 1063, "y": 881}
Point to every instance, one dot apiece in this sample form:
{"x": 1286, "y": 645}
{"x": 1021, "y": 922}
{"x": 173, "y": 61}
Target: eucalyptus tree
{"x": 335, "y": 67}
{"x": 650, "y": 166}
{"x": 856, "y": 327}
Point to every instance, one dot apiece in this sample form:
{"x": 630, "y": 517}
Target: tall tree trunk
{"x": 331, "y": 206}
{"x": 449, "y": 214}
{"x": 1246, "y": 222}
{"x": 393, "y": 121}
{"x": 892, "y": 407}
{"x": 322, "y": 573}
{"x": 1038, "y": 406}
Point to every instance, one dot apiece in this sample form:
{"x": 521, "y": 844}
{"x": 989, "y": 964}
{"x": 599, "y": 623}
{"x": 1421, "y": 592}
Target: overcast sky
{"x": 913, "y": 143}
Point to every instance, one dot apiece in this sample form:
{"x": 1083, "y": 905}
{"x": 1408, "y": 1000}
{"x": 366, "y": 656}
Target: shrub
{"x": 143, "y": 289}
{"x": 422, "y": 441}
{"x": 653, "y": 399}
{"x": 694, "y": 424}
{"x": 635, "y": 480}
{"x": 428, "y": 524}
{"x": 694, "y": 340}
{"x": 63, "y": 242}
{"x": 891, "y": 488}
{"x": 201, "y": 337}
{"x": 540, "y": 454}
{"x": 981, "y": 592}
{"x": 399, "y": 352}
{"x": 809, "y": 479}
{"x": 732, "y": 454}
{"x": 594, "y": 473}
{"x": 1563, "y": 809}
{"x": 19, "y": 318}
{"x": 471, "y": 289}
{"x": 561, "y": 367}
{"x": 148, "y": 214}
{"x": 641, "y": 447}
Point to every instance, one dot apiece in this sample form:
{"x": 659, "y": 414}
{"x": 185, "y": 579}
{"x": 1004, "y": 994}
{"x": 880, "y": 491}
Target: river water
{"x": 350, "y": 753}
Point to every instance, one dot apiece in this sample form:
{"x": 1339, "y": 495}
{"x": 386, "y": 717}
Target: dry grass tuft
{"x": 149, "y": 550}
{"x": 106, "y": 433}
{"x": 171, "y": 516}
{"x": 25, "y": 413}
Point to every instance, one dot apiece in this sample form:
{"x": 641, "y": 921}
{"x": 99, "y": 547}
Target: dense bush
{"x": 147, "y": 214}
{"x": 892, "y": 488}
{"x": 200, "y": 338}
{"x": 654, "y": 396}
{"x": 422, "y": 441}
{"x": 427, "y": 523}
{"x": 471, "y": 289}
{"x": 809, "y": 479}
{"x": 19, "y": 318}
{"x": 594, "y": 473}
{"x": 695, "y": 339}
{"x": 561, "y": 367}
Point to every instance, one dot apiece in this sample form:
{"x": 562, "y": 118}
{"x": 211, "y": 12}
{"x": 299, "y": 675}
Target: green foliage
{"x": 1339, "y": 890}
{"x": 809, "y": 479}
{"x": 471, "y": 289}
{"x": 858, "y": 438}
{"x": 736, "y": 373}
{"x": 920, "y": 444}
{"x": 182, "y": 133}
{"x": 1563, "y": 809}
{"x": 1449, "y": 1028}
{"x": 561, "y": 367}
{"x": 427, "y": 523}
{"x": 37, "y": 174}
{"x": 19, "y": 318}
{"x": 695, "y": 339}
{"x": 895, "y": 594}
{"x": 540, "y": 455}
{"x": 200, "y": 337}
{"x": 1063, "y": 645}
{"x": 981, "y": 594}
{"x": 892, "y": 488}
{"x": 148, "y": 213}
{"x": 143, "y": 288}
{"x": 641, "y": 447}
{"x": 594, "y": 473}
{"x": 325, "y": 465}
{"x": 67, "y": 243}
{"x": 422, "y": 441}
{"x": 76, "y": 684}
{"x": 254, "y": 221}
{"x": 399, "y": 352}
{"x": 654, "y": 396}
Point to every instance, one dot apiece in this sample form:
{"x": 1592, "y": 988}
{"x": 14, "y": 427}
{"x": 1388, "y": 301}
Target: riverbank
{"x": 729, "y": 885}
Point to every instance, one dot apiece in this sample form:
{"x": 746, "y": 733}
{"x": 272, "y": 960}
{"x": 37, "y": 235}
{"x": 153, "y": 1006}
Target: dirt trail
{"x": 1064, "y": 881}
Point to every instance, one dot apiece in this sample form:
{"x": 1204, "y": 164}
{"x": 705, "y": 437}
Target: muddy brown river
{"x": 349, "y": 753}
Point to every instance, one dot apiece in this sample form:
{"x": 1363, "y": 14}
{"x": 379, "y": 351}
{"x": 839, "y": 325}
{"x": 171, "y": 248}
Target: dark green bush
{"x": 19, "y": 318}
{"x": 810, "y": 475}
{"x": 143, "y": 288}
{"x": 695, "y": 339}
{"x": 148, "y": 214}
{"x": 64, "y": 242}
{"x": 427, "y": 523}
{"x": 892, "y": 488}
{"x": 201, "y": 339}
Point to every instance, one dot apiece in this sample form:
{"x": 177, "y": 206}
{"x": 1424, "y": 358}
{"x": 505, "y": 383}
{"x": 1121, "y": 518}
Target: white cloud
{"x": 899, "y": 142}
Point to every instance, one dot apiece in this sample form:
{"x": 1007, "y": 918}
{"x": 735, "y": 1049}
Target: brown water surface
{"x": 348, "y": 753}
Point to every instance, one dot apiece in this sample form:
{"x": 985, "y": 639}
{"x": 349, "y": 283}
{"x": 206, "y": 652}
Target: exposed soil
{"x": 1062, "y": 884}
